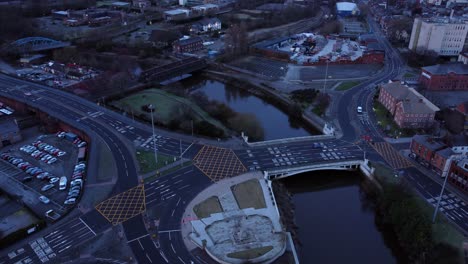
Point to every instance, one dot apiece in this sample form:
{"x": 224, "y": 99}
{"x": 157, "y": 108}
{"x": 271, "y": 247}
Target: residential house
{"x": 187, "y": 45}
{"x": 458, "y": 174}
{"x": 408, "y": 107}
{"x": 206, "y": 25}
{"x": 163, "y": 38}
{"x": 424, "y": 148}
{"x": 463, "y": 108}
{"x": 445, "y": 77}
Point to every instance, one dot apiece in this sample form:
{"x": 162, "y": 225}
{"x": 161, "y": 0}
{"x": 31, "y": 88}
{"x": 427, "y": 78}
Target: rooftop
{"x": 428, "y": 142}
{"x": 188, "y": 41}
{"x": 346, "y": 6}
{"x": 409, "y": 99}
{"x": 177, "y": 12}
{"x": 440, "y": 69}
{"x": 446, "y": 152}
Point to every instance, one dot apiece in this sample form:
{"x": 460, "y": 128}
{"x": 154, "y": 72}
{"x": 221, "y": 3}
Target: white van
{"x": 63, "y": 183}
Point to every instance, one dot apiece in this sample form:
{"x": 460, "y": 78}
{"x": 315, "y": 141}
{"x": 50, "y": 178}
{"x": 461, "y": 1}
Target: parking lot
{"x": 32, "y": 170}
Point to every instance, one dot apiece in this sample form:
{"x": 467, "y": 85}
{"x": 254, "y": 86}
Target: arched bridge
{"x": 355, "y": 164}
{"x": 33, "y": 44}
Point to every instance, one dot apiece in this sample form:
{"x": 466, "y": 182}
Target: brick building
{"x": 188, "y": 45}
{"x": 453, "y": 76}
{"x": 463, "y": 108}
{"x": 441, "y": 160}
{"x": 9, "y": 132}
{"x": 424, "y": 148}
{"x": 408, "y": 107}
{"x": 458, "y": 174}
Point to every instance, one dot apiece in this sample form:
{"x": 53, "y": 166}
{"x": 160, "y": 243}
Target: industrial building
{"x": 445, "y": 36}
{"x": 445, "y": 77}
{"x": 347, "y": 9}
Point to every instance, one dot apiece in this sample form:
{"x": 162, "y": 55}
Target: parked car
{"x": 52, "y": 160}
{"x": 70, "y": 201}
{"x": 42, "y": 176}
{"x": 82, "y": 144}
{"x": 47, "y": 187}
{"x": 63, "y": 183}
{"x": 27, "y": 179}
{"x": 54, "y": 180}
{"x": 61, "y": 153}
{"x": 44, "y": 199}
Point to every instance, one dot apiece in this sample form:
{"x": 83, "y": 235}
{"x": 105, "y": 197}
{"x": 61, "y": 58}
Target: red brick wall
{"x": 444, "y": 82}
{"x": 458, "y": 177}
{"x": 421, "y": 151}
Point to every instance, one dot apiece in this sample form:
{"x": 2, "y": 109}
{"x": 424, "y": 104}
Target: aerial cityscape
{"x": 233, "y": 131}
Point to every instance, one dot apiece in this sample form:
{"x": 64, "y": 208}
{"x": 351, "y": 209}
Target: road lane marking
{"x": 172, "y": 247}
{"x": 164, "y": 257}
{"x": 149, "y": 258}
{"x": 181, "y": 260}
{"x": 130, "y": 241}
{"x": 87, "y": 226}
{"x": 139, "y": 242}
{"x": 168, "y": 231}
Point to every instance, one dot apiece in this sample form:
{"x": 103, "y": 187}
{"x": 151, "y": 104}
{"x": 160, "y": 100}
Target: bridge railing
{"x": 288, "y": 140}
{"x": 315, "y": 164}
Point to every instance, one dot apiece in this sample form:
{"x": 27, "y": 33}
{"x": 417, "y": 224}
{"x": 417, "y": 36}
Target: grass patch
{"x": 250, "y": 253}
{"x": 385, "y": 121}
{"x": 249, "y": 194}
{"x": 347, "y": 85}
{"x": 148, "y": 163}
{"x": 165, "y": 106}
{"x": 208, "y": 207}
{"x": 408, "y": 75}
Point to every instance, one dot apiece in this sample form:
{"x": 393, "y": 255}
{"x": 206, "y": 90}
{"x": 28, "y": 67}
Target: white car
{"x": 61, "y": 153}
{"x": 44, "y": 199}
{"x": 54, "y": 180}
{"x": 52, "y": 160}
{"x": 70, "y": 201}
{"x": 359, "y": 109}
{"x": 47, "y": 187}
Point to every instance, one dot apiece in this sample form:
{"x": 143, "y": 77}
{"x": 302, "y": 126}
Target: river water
{"x": 335, "y": 225}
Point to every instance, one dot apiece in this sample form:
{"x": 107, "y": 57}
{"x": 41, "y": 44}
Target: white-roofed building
{"x": 345, "y": 9}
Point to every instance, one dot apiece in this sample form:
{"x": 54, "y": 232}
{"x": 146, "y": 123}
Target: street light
{"x": 326, "y": 76}
{"x": 438, "y": 201}
{"x": 151, "y": 107}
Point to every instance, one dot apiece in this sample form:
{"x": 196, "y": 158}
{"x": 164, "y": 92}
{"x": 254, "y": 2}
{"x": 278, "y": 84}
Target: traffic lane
{"x": 430, "y": 190}
{"x": 134, "y": 228}
{"x": 96, "y": 221}
{"x": 145, "y": 251}
{"x": 22, "y": 254}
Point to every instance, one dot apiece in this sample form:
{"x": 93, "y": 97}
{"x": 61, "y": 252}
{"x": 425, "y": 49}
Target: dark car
{"x": 27, "y": 179}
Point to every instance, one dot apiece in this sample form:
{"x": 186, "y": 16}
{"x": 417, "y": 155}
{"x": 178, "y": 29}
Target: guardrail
{"x": 288, "y": 140}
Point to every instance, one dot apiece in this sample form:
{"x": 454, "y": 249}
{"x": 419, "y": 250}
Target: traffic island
{"x": 235, "y": 221}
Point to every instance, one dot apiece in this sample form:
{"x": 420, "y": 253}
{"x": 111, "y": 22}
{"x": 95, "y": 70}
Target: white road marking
{"x": 168, "y": 231}
{"x": 137, "y": 238}
{"x": 140, "y": 244}
{"x": 149, "y": 258}
{"x": 181, "y": 260}
{"x": 172, "y": 247}
{"x": 87, "y": 226}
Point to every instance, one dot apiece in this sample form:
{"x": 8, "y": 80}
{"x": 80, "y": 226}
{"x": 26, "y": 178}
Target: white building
{"x": 445, "y": 36}
{"x": 463, "y": 58}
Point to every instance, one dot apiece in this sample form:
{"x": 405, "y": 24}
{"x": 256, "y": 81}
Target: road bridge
{"x": 34, "y": 44}
{"x": 172, "y": 70}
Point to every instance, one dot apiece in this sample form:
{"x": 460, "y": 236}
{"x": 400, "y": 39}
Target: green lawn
{"x": 249, "y": 194}
{"x": 347, "y": 85}
{"x": 165, "y": 105}
{"x": 250, "y": 253}
{"x": 385, "y": 121}
{"x": 147, "y": 161}
{"x": 208, "y": 207}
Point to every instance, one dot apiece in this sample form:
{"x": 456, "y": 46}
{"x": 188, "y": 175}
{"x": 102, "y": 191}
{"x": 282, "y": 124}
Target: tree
{"x": 399, "y": 30}
{"x": 120, "y": 81}
{"x": 236, "y": 41}
{"x": 247, "y": 123}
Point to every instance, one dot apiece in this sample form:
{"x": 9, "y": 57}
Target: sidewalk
{"x": 434, "y": 176}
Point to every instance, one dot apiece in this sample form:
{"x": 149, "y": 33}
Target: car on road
{"x": 47, "y": 187}
{"x": 44, "y": 199}
{"x": 359, "y": 109}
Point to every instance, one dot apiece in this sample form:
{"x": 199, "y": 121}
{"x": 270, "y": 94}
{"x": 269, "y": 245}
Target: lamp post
{"x": 151, "y": 107}
{"x": 438, "y": 200}
{"x": 326, "y": 76}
